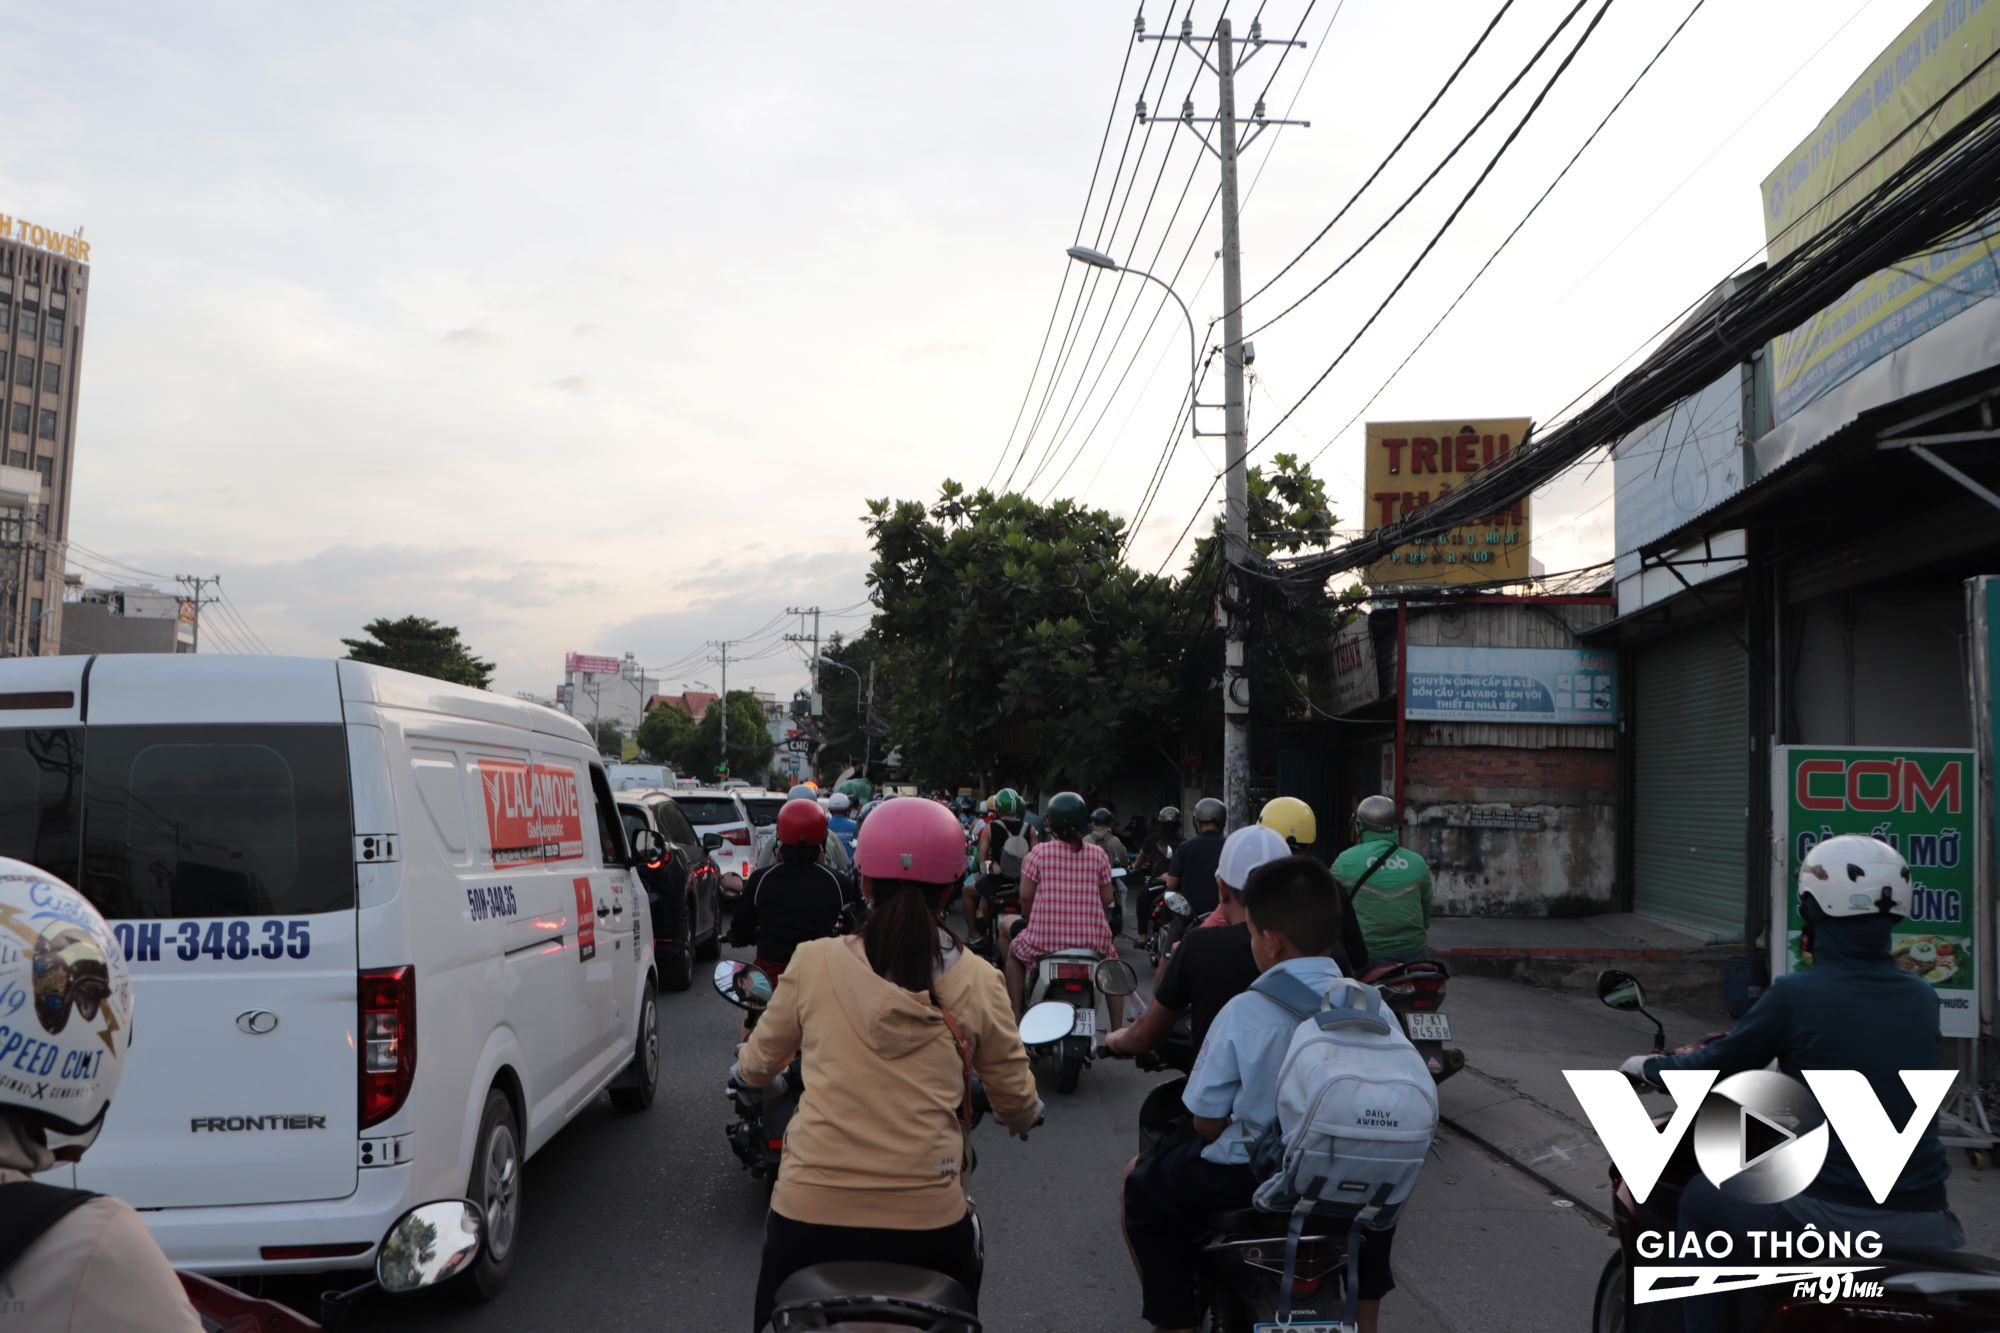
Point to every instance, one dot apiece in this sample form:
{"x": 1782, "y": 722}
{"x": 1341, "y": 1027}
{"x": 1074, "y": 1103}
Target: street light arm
{"x": 1083, "y": 254}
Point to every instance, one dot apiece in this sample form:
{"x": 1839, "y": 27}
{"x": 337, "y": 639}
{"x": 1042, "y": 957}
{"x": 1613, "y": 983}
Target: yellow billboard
{"x": 1811, "y": 188}
{"x": 1412, "y": 463}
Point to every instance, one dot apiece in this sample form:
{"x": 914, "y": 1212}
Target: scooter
{"x": 1939, "y": 1291}
{"x": 757, "y": 1135}
{"x": 1114, "y": 915}
{"x": 1067, "y": 983}
{"x": 1172, "y": 917}
{"x": 426, "y": 1246}
{"x": 985, "y": 931}
{"x": 1415, "y": 992}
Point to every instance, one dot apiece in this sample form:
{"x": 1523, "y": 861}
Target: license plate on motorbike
{"x": 1085, "y": 1023}
{"x": 1321, "y": 1327}
{"x": 1429, "y": 1027}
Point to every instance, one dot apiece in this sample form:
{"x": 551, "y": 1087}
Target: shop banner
{"x": 534, "y": 815}
{"x": 1411, "y": 463}
{"x": 1921, "y": 803}
{"x": 1573, "y": 686}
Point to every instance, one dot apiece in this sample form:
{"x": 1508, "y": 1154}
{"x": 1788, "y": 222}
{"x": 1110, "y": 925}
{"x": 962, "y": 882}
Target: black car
{"x": 685, "y": 887}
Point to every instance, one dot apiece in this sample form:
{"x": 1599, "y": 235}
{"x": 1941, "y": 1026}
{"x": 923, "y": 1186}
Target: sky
{"x": 594, "y": 326}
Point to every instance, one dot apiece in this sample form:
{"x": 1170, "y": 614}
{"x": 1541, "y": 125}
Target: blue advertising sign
{"x": 1574, "y": 686}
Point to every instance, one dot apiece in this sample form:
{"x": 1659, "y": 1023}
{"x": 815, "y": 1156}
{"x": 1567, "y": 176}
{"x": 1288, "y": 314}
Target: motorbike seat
{"x": 1380, "y": 971}
{"x": 881, "y": 1290}
{"x": 1257, "y": 1224}
{"x": 1087, "y": 955}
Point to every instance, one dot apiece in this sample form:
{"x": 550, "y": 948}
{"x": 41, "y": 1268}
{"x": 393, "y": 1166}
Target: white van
{"x": 383, "y": 934}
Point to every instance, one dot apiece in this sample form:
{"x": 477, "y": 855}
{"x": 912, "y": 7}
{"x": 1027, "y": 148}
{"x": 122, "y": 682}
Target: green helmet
{"x": 1067, "y": 813}
{"x": 1007, "y": 803}
{"x": 858, "y": 790}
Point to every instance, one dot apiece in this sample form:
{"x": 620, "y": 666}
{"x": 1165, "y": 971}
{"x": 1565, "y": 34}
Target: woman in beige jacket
{"x": 875, "y": 1156}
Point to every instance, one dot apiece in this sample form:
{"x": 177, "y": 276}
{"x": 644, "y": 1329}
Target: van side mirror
{"x": 648, "y": 848}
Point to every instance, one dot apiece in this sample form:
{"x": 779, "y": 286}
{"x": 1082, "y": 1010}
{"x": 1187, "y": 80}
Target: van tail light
{"x": 388, "y": 1041}
{"x": 739, "y": 836}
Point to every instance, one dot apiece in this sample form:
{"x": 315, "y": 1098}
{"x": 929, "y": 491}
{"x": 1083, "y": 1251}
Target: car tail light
{"x": 388, "y": 1041}
{"x": 739, "y": 836}
{"x": 1072, "y": 971}
{"x": 345, "y": 1250}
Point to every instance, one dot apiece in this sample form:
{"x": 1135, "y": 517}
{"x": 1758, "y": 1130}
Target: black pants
{"x": 790, "y": 1246}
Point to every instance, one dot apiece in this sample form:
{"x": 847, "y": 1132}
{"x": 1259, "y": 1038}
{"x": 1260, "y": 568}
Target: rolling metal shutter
{"x": 1691, "y": 765}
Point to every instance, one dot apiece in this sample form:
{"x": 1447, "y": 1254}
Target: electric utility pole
{"x": 1236, "y": 493}
{"x": 723, "y": 646}
{"x": 197, "y": 582}
{"x": 812, "y": 670}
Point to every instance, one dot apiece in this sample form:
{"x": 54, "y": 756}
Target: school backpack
{"x": 1015, "y": 850}
{"x": 1357, "y": 1109}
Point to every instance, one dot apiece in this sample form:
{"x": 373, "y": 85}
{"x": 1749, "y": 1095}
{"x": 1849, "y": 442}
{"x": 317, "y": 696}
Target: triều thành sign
{"x": 1573, "y": 686}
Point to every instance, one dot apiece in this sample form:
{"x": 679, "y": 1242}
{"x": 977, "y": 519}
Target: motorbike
{"x": 1114, "y": 915}
{"x": 1415, "y": 993}
{"x": 757, "y": 1135}
{"x": 1172, "y": 916}
{"x": 427, "y": 1245}
{"x": 985, "y": 931}
{"x": 1942, "y": 1291}
{"x": 1064, "y": 992}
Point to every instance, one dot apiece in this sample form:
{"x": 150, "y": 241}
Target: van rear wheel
{"x": 645, "y": 1071}
{"x": 496, "y": 1187}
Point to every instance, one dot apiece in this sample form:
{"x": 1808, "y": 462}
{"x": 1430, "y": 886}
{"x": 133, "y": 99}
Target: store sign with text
{"x": 1570, "y": 686}
{"x": 1921, "y": 803}
{"x": 1411, "y": 463}
{"x": 588, "y": 665}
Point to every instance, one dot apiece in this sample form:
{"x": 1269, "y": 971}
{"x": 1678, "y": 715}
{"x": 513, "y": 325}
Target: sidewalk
{"x": 1511, "y": 1096}
{"x": 1566, "y": 954}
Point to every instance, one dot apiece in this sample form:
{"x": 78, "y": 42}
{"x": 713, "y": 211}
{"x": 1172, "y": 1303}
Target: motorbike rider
{"x": 1065, "y": 886}
{"x": 1156, "y": 853}
{"x": 80, "y": 1262}
{"x": 1214, "y": 963}
{"x": 1103, "y": 835}
{"x": 835, "y": 852}
{"x": 1191, "y": 873}
{"x": 837, "y": 822}
{"x": 891, "y": 1022}
{"x": 999, "y": 867}
{"x": 1389, "y": 884}
{"x": 1293, "y": 819}
{"x": 1852, "y": 1009}
{"x": 795, "y": 900}
{"x": 1294, "y": 923}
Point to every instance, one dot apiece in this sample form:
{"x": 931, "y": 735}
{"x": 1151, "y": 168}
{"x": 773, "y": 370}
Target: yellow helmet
{"x": 1291, "y": 817}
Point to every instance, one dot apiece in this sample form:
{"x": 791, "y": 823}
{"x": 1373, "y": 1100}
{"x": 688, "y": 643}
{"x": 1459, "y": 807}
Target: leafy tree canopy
{"x": 750, "y": 745}
{"x": 423, "y": 646}
{"x": 665, "y": 735}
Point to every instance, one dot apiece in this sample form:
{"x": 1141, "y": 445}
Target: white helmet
{"x": 63, "y": 1055}
{"x": 802, "y": 793}
{"x": 1246, "y": 849}
{"x": 837, "y": 803}
{"x": 1855, "y": 876}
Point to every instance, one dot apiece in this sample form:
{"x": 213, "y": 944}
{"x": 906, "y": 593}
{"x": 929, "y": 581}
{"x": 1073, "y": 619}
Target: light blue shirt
{"x": 1236, "y": 1073}
{"x": 843, "y": 828}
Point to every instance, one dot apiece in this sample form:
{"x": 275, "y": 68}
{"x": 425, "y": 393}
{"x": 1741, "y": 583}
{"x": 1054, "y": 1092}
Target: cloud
{"x": 574, "y": 384}
{"x": 592, "y": 329}
{"x": 472, "y": 337}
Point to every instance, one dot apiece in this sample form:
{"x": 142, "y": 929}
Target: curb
{"x": 1535, "y": 1127}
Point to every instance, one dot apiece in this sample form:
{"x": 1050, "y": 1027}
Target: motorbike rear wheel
{"x": 1609, "y": 1311}
{"x": 1070, "y": 1070}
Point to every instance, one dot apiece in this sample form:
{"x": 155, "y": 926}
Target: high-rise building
{"x": 44, "y": 282}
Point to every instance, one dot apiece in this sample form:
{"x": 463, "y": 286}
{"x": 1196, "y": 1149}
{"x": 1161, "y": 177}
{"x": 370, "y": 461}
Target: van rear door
{"x": 222, "y": 851}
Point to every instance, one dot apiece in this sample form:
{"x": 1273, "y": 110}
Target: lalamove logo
{"x": 1760, "y": 1137}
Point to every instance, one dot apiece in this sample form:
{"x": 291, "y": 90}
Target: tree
{"x": 666, "y": 735}
{"x": 423, "y": 646}
{"x": 843, "y": 694}
{"x": 750, "y": 744}
{"x": 1016, "y": 643}
{"x": 608, "y": 738}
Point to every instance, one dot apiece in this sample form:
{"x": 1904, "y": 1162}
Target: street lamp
{"x": 1083, "y": 254}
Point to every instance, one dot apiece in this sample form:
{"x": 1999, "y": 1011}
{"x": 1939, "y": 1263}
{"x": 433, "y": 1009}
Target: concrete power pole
{"x": 197, "y": 582}
{"x": 812, "y": 670}
{"x": 723, "y": 646}
{"x": 1236, "y": 494}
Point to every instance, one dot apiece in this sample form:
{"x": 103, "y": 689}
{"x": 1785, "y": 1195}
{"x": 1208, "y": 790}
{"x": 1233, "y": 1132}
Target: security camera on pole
{"x": 1236, "y": 495}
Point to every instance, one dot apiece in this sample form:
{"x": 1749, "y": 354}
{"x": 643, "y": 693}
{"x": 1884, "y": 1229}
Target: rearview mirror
{"x": 428, "y": 1245}
{"x": 711, "y": 841}
{"x": 1178, "y": 904}
{"x": 1049, "y": 1021}
{"x": 1114, "y": 976}
{"x": 743, "y": 985}
{"x": 1621, "y": 990}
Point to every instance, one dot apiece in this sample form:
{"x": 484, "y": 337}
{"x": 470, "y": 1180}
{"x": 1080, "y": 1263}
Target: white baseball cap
{"x": 1246, "y": 849}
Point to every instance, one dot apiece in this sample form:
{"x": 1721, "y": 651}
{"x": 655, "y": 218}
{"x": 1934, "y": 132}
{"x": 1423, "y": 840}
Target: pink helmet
{"x": 916, "y": 840}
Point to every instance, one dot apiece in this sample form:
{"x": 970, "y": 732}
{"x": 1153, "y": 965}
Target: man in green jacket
{"x": 1389, "y": 885}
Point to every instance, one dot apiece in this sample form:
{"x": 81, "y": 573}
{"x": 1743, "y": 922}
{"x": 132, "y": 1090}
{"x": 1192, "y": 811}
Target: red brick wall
{"x": 1490, "y": 772}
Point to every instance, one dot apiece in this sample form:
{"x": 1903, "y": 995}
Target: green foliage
{"x": 666, "y": 735}
{"x": 608, "y": 739}
{"x": 842, "y": 694}
{"x": 1016, "y": 643}
{"x": 750, "y": 746}
{"x": 422, "y": 646}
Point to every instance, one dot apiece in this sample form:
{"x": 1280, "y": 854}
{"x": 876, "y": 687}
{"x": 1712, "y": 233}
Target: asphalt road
{"x": 645, "y": 1221}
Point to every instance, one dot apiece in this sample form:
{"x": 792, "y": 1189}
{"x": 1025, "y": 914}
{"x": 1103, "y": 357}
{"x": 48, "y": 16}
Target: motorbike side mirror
{"x": 711, "y": 841}
{"x": 743, "y": 985}
{"x": 1049, "y": 1021}
{"x": 428, "y": 1245}
{"x": 1621, "y": 990}
{"x": 1118, "y": 874}
{"x": 1178, "y": 904}
{"x": 1114, "y": 976}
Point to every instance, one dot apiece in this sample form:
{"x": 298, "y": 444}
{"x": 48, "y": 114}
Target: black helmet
{"x": 1102, "y": 817}
{"x": 1208, "y": 810}
{"x": 1376, "y": 814}
{"x": 1170, "y": 816}
{"x": 1066, "y": 813}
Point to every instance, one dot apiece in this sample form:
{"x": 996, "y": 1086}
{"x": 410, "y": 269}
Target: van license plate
{"x": 1085, "y": 1024}
{"x": 1429, "y": 1027}
{"x": 1321, "y": 1327}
